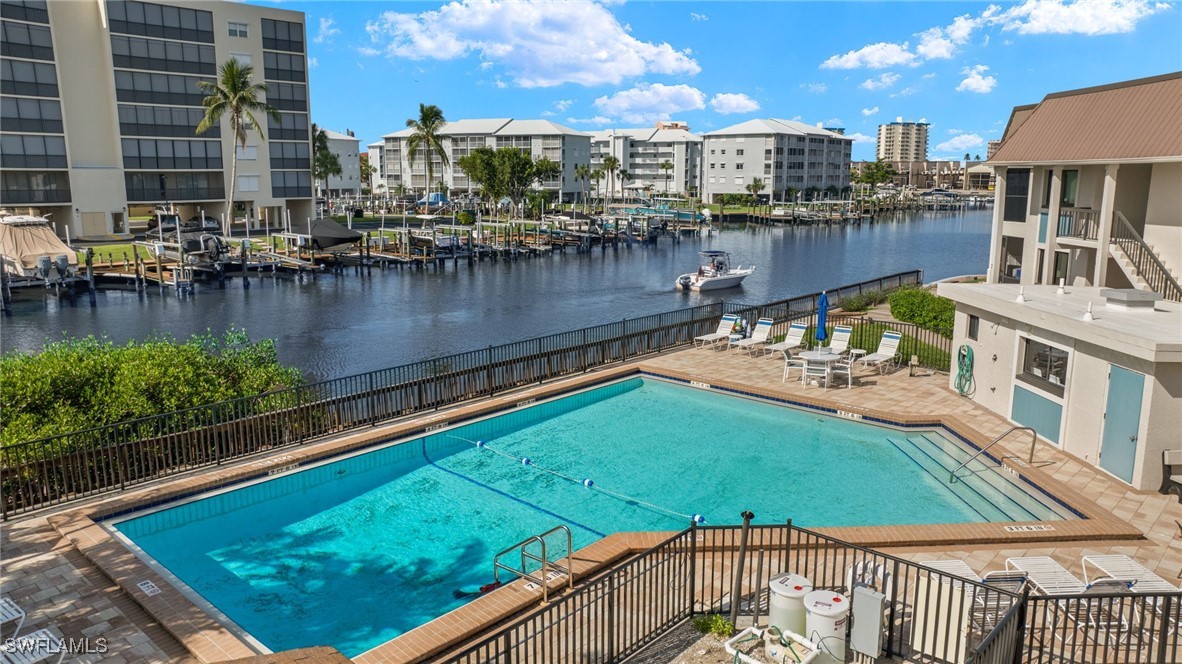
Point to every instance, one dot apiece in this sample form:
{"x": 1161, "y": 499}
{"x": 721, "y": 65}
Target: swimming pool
{"x": 356, "y": 551}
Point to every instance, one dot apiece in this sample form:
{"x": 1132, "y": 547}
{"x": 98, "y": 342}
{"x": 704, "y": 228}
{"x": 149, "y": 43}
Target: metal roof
{"x": 1130, "y": 121}
{"x": 537, "y": 128}
{"x": 775, "y": 126}
{"x": 338, "y": 136}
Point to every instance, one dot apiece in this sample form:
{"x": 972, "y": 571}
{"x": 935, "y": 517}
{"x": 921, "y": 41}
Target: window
{"x": 35, "y": 115}
{"x": 1046, "y": 189}
{"x": 151, "y": 88}
{"x": 1044, "y": 366}
{"x": 137, "y": 53}
{"x": 21, "y": 40}
{"x": 283, "y": 35}
{"x": 248, "y": 152}
{"x": 32, "y": 187}
{"x": 1042, "y": 254}
{"x": 712, "y": 152}
{"x": 711, "y": 165}
{"x": 162, "y": 121}
{"x": 35, "y": 79}
{"x": 32, "y": 151}
{"x": 974, "y": 326}
{"x": 35, "y": 11}
{"x": 722, "y": 151}
{"x": 739, "y": 153}
{"x": 237, "y": 29}
{"x": 248, "y": 183}
{"x": 738, "y": 180}
{"x": 283, "y": 66}
{"x": 141, "y": 18}
{"x": 722, "y": 166}
{"x": 1070, "y": 188}
{"x": 1017, "y": 191}
{"x": 1062, "y": 262}
{"x": 242, "y": 58}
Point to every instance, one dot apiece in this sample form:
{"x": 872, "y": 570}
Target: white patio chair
{"x": 816, "y": 369}
{"x": 793, "y": 340}
{"x": 791, "y": 363}
{"x": 721, "y": 334}
{"x": 843, "y": 367}
{"x": 888, "y": 351}
{"x": 839, "y": 343}
{"x": 760, "y": 335}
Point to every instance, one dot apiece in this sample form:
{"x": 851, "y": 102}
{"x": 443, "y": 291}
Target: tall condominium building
{"x": 785, "y": 154}
{"x": 903, "y": 141}
{"x": 377, "y": 176}
{"x": 643, "y": 152}
{"x": 348, "y": 183}
{"x": 537, "y": 138}
{"x": 101, "y": 101}
{"x": 991, "y": 148}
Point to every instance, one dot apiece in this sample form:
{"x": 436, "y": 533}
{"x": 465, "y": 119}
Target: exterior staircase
{"x": 1140, "y": 263}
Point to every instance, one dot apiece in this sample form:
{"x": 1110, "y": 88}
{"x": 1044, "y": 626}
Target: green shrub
{"x": 466, "y": 218}
{"x": 924, "y": 308}
{"x": 81, "y": 383}
{"x": 864, "y": 301}
{"x": 714, "y": 623}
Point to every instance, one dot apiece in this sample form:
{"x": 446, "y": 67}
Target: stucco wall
{"x": 1163, "y": 215}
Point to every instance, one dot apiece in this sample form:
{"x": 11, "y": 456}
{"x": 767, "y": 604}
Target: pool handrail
{"x": 1030, "y": 461}
{"x": 545, "y": 561}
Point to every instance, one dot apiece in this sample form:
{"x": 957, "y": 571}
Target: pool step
{"x": 966, "y": 493}
{"x": 982, "y": 475}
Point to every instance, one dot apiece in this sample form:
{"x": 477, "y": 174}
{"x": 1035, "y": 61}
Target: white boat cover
{"x": 23, "y": 239}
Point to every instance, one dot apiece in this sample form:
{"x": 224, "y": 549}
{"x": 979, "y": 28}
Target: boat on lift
{"x": 30, "y": 250}
{"x": 715, "y": 273}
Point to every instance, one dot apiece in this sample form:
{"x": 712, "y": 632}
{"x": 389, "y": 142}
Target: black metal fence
{"x": 928, "y": 615}
{"x": 79, "y": 464}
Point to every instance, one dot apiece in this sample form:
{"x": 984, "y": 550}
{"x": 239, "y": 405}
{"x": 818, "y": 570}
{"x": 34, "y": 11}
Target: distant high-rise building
{"x": 991, "y": 148}
{"x": 903, "y": 141}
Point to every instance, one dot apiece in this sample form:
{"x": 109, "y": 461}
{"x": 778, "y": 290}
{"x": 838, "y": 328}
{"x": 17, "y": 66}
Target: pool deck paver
{"x": 50, "y": 569}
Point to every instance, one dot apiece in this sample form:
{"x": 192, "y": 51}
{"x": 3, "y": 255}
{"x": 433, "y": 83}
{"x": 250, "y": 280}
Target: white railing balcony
{"x": 1079, "y": 223}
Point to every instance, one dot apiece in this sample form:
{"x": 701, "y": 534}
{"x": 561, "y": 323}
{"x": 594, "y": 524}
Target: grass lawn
{"x": 867, "y": 336}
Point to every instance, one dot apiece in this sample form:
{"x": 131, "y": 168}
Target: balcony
{"x": 1079, "y": 223}
{"x": 35, "y": 196}
{"x": 153, "y": 194}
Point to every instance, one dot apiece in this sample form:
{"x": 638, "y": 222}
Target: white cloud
{"x": 727, "y": 102}
{"x": 597, "y": 120}
{"x": 884, "y": 81}
{"x": 955, "y": 131}
{"x": 695, "y": 16}
{"x": 815, "y": 88}
{"x": 859, "y": 137}
{"x": 874, "y": 56}
{"x": 486, "y": 65}
{"x": 563, "y": 104}
{"x": 313, "y": 62}
{"x": 1085, "y": 17}
{"x": 929, "y": 75}
{"x": 648, "y": 103}
{"x": 538, "y": 43}
{"x": 960, "y": 142}
{"x": 869, "y": 111}
{"x": 976, "y": 80}
{"x": 832, "y": 122}
{"x": 547, "y": 114}
{"x": 326, "y": 32}
{"x": 906, "y": 92}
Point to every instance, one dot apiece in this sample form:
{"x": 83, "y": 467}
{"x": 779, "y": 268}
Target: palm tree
{"x": 666, "y": 166}
{"x": 611, "y": 166}
{"x": 624, "y": 177}
{"x": 597, "y": 175}
{"x": 582, "y": 172}
{"x": 757, "y": 185}
{"x": 426, "y": 136}
{"x": 234, "y": 96}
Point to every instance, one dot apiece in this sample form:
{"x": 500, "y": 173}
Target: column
{"x": 1104, "y": 235}
{"x": 993, "y": 274}
{"x": 1053, "y": 212}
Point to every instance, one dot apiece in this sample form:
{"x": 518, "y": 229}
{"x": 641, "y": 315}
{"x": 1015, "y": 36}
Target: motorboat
{"x": 715, "y": 273}
{"x": 31, "y": 250}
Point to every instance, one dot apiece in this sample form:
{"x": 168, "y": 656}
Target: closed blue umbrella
{"x": 822, "y": 314}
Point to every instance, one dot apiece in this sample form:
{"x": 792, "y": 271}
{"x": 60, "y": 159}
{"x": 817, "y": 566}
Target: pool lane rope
{"x": 586, "y": 482}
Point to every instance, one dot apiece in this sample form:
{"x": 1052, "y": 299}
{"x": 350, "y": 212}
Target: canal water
{"x": 337, "y": 325}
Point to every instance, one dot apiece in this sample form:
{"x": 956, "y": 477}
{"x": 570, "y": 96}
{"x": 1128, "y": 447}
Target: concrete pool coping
{"x": 208, "y": 640}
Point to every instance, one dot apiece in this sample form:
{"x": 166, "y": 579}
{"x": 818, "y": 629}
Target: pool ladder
{"x": 1033, "y": 439}
{"x": 527, "y": 556}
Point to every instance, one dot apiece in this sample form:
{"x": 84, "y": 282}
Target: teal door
{"x": 1122, "y": 421}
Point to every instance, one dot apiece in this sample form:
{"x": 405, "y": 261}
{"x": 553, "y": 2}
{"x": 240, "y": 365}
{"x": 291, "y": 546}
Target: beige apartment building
{"x": 101, "y": 102}
{"x": 641, "y": 152}
{"x": 902, "y": 141}
{"x": 537, "y": 138}
{"x": 788, "y": 156}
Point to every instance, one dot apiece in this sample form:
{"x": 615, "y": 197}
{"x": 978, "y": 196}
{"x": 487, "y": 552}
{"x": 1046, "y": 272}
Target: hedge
{"x": 924, "y": 308}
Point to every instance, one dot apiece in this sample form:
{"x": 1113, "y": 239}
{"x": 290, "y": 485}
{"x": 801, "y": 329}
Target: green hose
{"x": 964, "y": 370}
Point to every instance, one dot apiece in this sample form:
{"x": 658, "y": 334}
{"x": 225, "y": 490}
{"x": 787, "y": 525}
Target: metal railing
{"x": 1144, "y": 261}
{"x": 1079, "y": 223}
{"x": 544, "y": 564}
{"x": 75, "y": 465}
{"x": 1033, "y": 440}
{"x": 1103, "y": 628}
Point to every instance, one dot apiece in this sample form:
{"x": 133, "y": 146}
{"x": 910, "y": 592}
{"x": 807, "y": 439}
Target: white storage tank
{"x": 786, "y": 609}
{"x": 827, "y": 614}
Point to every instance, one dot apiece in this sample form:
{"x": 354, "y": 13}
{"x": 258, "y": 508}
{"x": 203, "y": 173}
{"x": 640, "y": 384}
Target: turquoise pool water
{"x": 357, "y": 551}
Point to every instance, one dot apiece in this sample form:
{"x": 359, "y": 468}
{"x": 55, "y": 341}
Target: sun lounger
{"x": 9, "y": 611}
{"x": 793, "y": 340}
{"x": 839, "y": 343}
{"x": 1098, "y": 618}
{"x": 760, "y": 335}
{"x": 887, "y": 353}
{"x": 1122, "y": 567}
{"x": 721, "y": 334}
{"x": 1047, "y": 576}
{"x": 33, "y": 647}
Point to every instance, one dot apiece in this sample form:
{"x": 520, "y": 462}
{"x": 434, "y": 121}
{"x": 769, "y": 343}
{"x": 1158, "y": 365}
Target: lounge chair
{"x": 839, "y": 343}
{"x": 1172, "y": 477}
{"x": 888, "y": 351}
{"x": 791, "y": 363}
{"x": 793, "y": 340}
{"x": 722, "y": 333}
{"x": 33, "y": 647}
{"x": 9, "y": 611}
{"x": 1095, "y": 616}
{"x": 760, "y": 335}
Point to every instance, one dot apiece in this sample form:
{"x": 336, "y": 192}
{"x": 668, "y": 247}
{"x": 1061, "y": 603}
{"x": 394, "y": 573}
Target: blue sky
{"x": 961, "y": 66}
